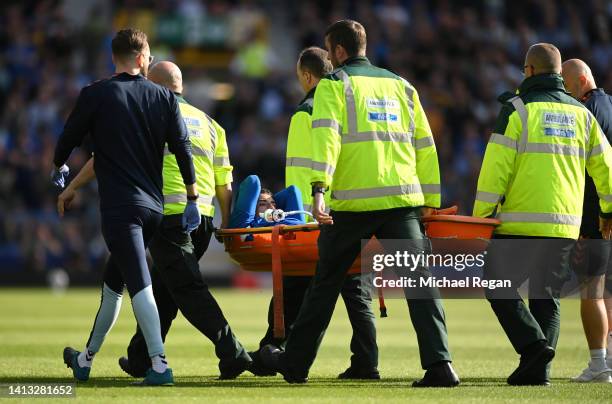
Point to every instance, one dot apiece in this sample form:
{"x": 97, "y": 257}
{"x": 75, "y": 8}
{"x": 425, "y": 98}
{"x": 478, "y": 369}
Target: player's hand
{"x": 318, "y": 210}
{"x": 64, "y": 200}
{"x": 605, "y": 228}
{"x": 221, "y": 227}
{"x": 191, "y": 217}
{"x": 59, "y": 176}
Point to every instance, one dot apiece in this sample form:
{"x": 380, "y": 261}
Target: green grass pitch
{"x": 35, "y": 325}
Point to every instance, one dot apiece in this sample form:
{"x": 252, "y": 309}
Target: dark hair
{"x": 349, "y": 34}
{"x": 265, "y": 191}
{"x": 129, "y": 41}
{"x": 315, "y": 61}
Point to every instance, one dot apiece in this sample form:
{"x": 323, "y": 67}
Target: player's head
{"x": 312, "y": 65}
{"x": 542, "y": 58}
{"x": 578, "y": 77}
{"x": 131, "y": 50}
{"x": 167, "y": 74}
{"x": 345, "y": 39}
{"x": 265, "y": 201}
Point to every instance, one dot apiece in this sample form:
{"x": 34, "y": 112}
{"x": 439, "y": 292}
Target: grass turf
{"x": 35, "y": 325}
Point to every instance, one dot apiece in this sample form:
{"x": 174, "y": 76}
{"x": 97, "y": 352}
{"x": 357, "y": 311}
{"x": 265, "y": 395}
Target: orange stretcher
{"x": 292, "y": 250}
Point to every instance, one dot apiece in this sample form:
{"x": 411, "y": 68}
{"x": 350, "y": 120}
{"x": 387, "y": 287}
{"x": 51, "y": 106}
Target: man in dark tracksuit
{"x": 596, "y": 309}
{"x": 129, "y": 119}
{"x": 311, "y": 67}
{"x": 177, "y": 281}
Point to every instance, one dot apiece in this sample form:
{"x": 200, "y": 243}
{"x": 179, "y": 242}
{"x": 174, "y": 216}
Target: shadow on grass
{"x": 251, "y": 382}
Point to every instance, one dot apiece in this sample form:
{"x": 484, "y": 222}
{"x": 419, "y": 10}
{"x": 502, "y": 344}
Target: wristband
{"x": 318, "y": 190}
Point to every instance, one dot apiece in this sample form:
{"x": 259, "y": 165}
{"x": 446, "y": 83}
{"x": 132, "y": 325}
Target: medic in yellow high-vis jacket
{"x": 298, "y": 168}
{"x": 371, "y": 141}
{"x": 533, "y": 173}
{"x": 210, "y": 159}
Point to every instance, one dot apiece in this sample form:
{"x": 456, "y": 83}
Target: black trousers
{"x": 358, "y": 302}
{"x": 545, "y": 262}
{"x": 178, "y": 285}
{"x": 339, "y": 245}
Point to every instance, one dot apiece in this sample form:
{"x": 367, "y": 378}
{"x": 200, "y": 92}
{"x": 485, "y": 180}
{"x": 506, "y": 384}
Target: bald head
{"x": 543, "y": 58}
{"x": 167, "y": 74}
{"x": 578, "y": 77}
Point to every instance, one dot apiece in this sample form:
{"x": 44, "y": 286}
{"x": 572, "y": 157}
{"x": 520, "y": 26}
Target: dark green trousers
{"x": 178, "y": 285}
{"x": 545, "y": 262}
{"x": 339, "y": 245}
{"x": 358, "y": 302}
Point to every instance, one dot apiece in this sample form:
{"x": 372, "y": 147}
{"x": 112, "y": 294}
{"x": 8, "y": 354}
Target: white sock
{"x": 160, "y": 364}
{"x": 598, "y": 360}
{"x": 85, "y": 358}
{"x": 609, "y": 348}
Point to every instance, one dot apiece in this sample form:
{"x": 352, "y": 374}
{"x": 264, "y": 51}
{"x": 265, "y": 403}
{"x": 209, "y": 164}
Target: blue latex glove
{"x": 59, "y": 176}
{"x": 191, "y": 217}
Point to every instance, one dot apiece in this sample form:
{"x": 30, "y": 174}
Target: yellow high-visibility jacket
{"x": 371, "y": 141}
{"x": 533, "y": 172}
{"x": 210, "y": 159}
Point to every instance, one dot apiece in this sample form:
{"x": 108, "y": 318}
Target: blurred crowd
{"x": 460, "y": 55}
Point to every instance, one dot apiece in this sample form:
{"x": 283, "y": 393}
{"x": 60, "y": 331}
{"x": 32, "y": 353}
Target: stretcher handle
{"x": 263, "y": 230}
{"x": 277, "y": 285}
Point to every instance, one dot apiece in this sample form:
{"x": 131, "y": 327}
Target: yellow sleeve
{"x": 327, "y": 114}
{"x": 427, "y": 166}
{"x": 599, "y": 164}
{"x": 498, "y": 164}
{"x": 221, "y": 161}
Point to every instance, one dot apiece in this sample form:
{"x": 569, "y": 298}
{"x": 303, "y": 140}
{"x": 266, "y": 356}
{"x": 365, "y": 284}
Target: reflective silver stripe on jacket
{"x": 381, "y": 136}
{"x": 424, "y": 142}
{"x": 409, "y": 90}
{"x": 588, "y": 128}
{"x": 195, "y": 151}
{"x": 431, "y": 188}
{"x": 308, "y": 163}
{"x": 597, "y": 150}
{"x": 503, "y": 140}
{"x": 551, "y": 218}
{"x": 327, "y": 123}
{"x": 549, "y": 148}
{"x": 222, "y": 161}
{"x": 182, "y": 198}
{"x": 327, "y": 168}
{"x": 377, "y": 192}
{"x": 490, "y": 197}
{"x": 213, "y": 133}
{"x": 351, "y": 106}
{"x": 607, "y": 198}
{"x": 602, "y": 146}
{"x": 520, "y": 108}
{"x": 299, "y": 162}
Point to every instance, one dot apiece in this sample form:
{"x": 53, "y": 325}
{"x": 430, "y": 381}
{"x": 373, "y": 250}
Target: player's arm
{"x": 179, "y": 144}
{"x": 222, "y": 168}
{"x": 427, "y": 167}
{"x": 599, "y": 167}
{"x": 498, "y": 163}
{"x": 77, "y": 126}
{"x": 85, "y": 176}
